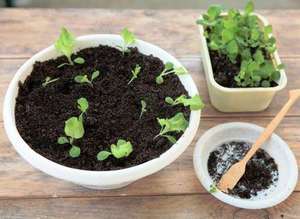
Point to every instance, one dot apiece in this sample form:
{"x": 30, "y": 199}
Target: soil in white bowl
{"x": 114, "y": 107}
{"x": 261, "y": 171}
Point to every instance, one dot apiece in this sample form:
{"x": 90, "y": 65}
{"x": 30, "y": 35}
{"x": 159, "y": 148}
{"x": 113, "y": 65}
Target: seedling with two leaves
{"x": 128, "y": 39}
{"x": 195, "y": 102}
{"x": 74, "y": 129}
{"x": 66, "y": 44}
{"x": 175, "y": 124}
{"x": 49, "y": 80}
{"x": 170, "y": 69}
{"x": 120, "y": 150}
{"x": 82, "y": 79}
{"x": 135, "y": 72}
{"x": 143, "y": 109}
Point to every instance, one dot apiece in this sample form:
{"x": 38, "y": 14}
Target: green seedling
{"x": 175, "y": 124}
{"x": 135, "y": 72}
{"x": 239, "y": 36}
{"x": 128, "y": 39}
{"x": 195, "y": 102}
{"x": 48, "y": 80}
{"x": 66, "y": 44}
{"x": 120, "y": 150}
{"x": 84, "y": 78}
{"x": 212, "y": 188}
{"x": 74, "y": 129}
{"x": 143, "y": 110}
{"x": 169, "y": 69}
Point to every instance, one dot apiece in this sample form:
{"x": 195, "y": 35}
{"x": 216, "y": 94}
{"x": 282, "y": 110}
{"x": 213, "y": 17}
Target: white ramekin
{"x": 227, "y": 99}
{"x": 275, "y": 146}
{"x": 96, "y": 179}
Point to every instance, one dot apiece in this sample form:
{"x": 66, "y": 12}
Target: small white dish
{"x": 275, "y": 146}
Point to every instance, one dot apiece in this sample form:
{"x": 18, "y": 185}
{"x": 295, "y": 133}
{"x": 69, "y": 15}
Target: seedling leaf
{"x": 83, "y": 104}
{"x": 74, "y": 151}
{"x": 65, "y": 43}
{"x": 48, "y": 80}
{"x": 143, "y": 110}
{"x": 74, "y": 128}
{"x": 122, "y": 149}
{"x": 95, "y": 75}
{"x": 62, "y": 140}
{"x": 135, "y": 72}
{"x": 103, "y": 155}
{"x": 79, "y": 60}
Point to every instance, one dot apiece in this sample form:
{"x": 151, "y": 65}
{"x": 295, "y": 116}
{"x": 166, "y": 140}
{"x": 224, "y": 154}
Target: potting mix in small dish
{"x": 261, "y": 171}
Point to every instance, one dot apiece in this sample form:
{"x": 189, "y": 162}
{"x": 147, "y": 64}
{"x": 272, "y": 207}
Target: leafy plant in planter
{"x": 241, "y": 50}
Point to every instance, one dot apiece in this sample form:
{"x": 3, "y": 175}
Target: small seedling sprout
{"x": 48, "y": 80}
{"x": 84, "y": 78}
{"x": 135, "y": 72}
{"x": 143, "y": 110}
{"x": 128, "y": 39}
{"x": 175, "y": 124}
{"x": 195, "y": 102}
{"x": 120, "y": 150}
{"x": 74, "y": 129}
{"x": 66, "y": 44}
{"x": 170, "y": 69}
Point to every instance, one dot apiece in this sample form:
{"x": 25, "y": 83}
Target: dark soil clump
{"x": 261, "y": 170}
{"x": 114, "y": 107}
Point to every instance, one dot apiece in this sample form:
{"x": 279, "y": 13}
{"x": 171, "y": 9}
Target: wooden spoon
{"x": 236, "y": 171}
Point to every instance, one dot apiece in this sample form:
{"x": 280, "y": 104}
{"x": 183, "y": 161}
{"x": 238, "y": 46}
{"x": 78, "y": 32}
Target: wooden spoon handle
{"x": 293, "y": 96}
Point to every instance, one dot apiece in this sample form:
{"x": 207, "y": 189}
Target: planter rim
{"x": 282, "y": 81}
{"x": 90, "y": 177}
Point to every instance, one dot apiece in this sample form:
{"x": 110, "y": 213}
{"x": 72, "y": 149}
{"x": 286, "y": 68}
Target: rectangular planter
{"x": 238, "y": 99}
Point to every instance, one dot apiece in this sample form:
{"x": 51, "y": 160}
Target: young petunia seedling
{"x": 135, "y": 72}
{"x": 195, "y": 102}
{"x": 49, "y": 80}
{"x": 74, "y": 129}
{"x": 84, "y": 78}
{"x": 143, "y": 108}
{"x": 128, "y": 39}
{"x": 175, "y": 124}
{"x": 120, "y": 150}
{"x": 170, "y": 69}
{"x": 66, "y": 44}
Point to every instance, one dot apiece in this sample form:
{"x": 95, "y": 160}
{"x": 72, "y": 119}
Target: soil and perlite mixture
{"x": 114, "y": 107}
{"x": 261, "y": 171}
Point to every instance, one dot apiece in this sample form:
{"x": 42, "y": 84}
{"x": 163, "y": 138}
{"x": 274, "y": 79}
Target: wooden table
{"x": 173, "y": 192}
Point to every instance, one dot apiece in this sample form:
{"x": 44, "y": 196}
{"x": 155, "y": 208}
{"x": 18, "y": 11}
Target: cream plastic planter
{"x": 96, "y": 179}
{"x": 238, "y": 99}
{"x": 275, "y": 146}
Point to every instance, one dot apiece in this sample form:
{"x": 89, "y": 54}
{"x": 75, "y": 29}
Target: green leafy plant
{"x": 128, "y": 39}
{"x": 135, "y": 72}
{"x": 240, "y": 37}
{"x": 195, "y": 102}
{"x": 120, "y": 150}
{"x": 66, "y": 44}
{"x": 84, "y": 78}
{"x": 49, "y": 80}
{"x": 74, "y": 129}
{"x": 175, "y": 124}
{"x": 170, "y": 69}
{"x": 143, "y": 109}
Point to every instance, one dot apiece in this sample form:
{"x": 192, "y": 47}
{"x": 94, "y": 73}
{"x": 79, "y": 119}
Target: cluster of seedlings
{"x": 74, "y": 128}
{"x": 239, "y": 39}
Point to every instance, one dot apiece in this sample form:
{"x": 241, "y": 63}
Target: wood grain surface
{"x": 173, "y": 192}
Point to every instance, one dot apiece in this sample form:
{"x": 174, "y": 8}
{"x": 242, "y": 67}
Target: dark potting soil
{"x": 114, "y": 107}
{"x": 224, "y": 70}
{"x": 261, "y": 171}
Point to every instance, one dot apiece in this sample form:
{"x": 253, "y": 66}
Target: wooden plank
{"x": 194, "y": 65}
{"x": 19, "y": 179}
{"x": 201, "y": 206}
{"x": 27, "y": 31}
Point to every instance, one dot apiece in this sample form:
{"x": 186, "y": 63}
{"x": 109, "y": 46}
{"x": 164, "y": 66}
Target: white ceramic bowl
{"x": 275, "y": 146}
{"x": 96, "y": 179}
